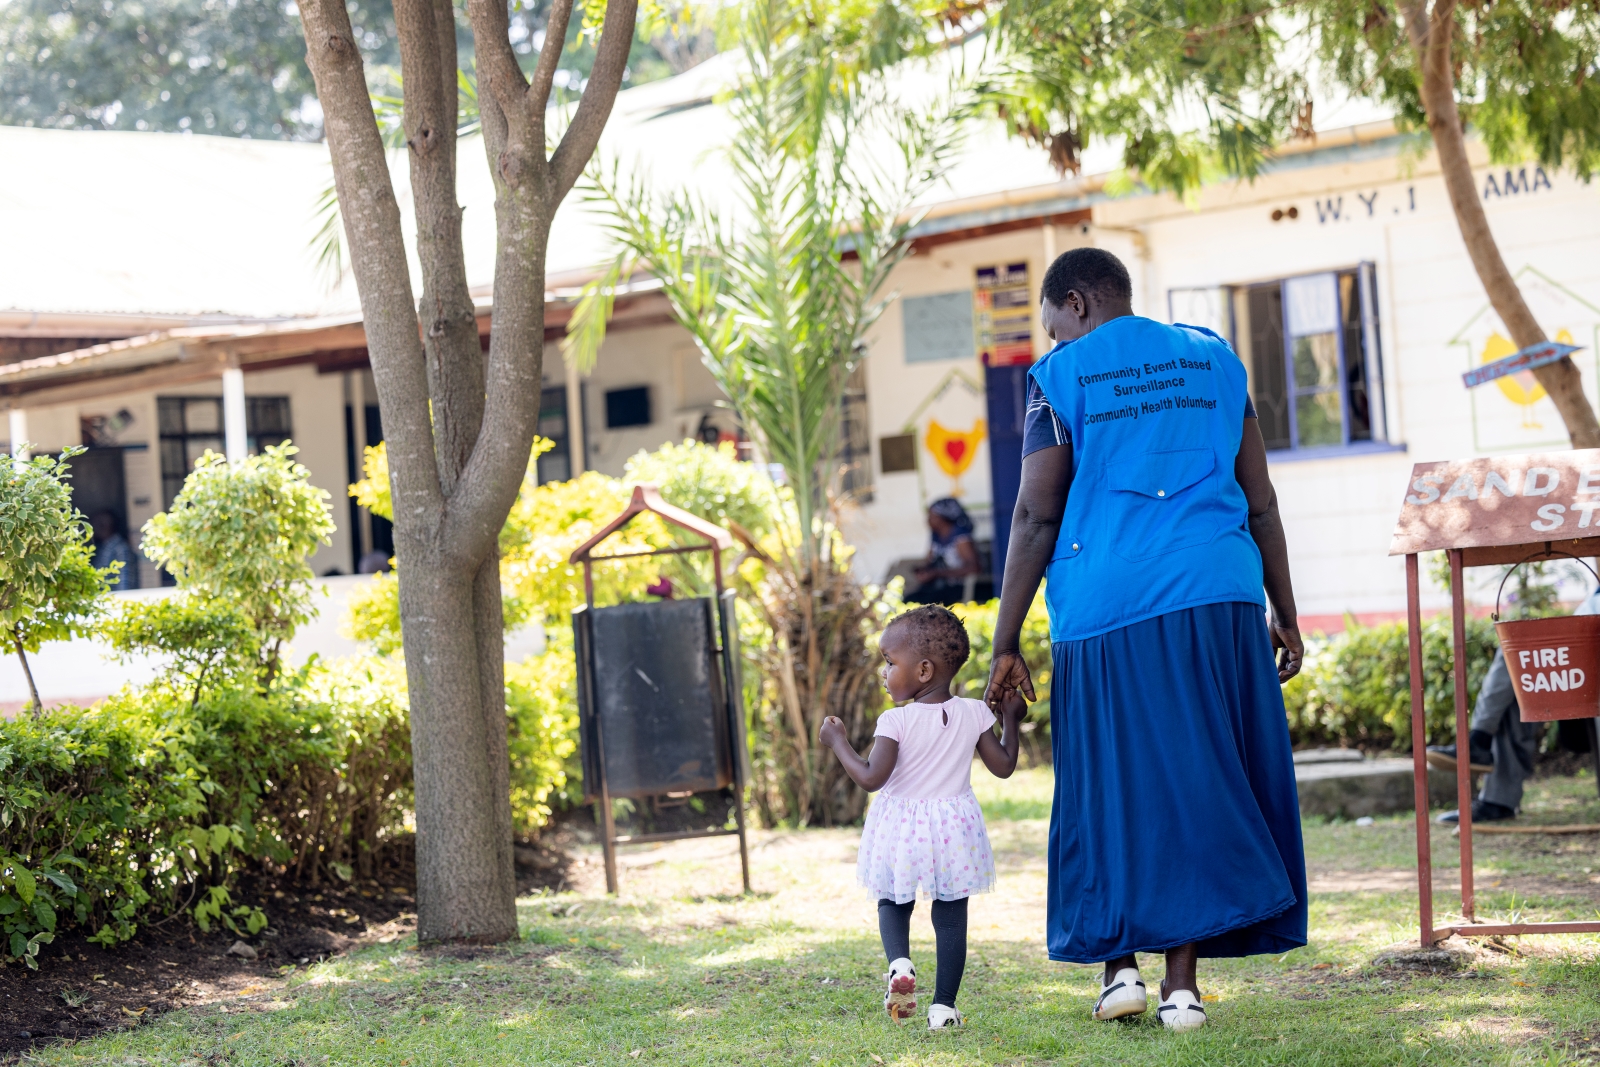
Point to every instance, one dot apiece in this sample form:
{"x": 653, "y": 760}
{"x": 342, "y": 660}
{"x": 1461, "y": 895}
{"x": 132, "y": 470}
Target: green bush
{"x": 542, "y": 703}
{"x": 1355, "y": 688}
{"x": 152, "y": 802}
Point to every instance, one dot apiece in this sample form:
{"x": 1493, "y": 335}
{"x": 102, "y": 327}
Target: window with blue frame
{"x": 1310, "y": 344}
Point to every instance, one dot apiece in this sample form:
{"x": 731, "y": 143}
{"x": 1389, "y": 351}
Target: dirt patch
{"x": 82, "y": 989}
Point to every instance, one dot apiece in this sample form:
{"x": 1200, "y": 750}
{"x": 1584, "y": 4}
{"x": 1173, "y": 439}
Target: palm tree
{"x": 779, "y": 296}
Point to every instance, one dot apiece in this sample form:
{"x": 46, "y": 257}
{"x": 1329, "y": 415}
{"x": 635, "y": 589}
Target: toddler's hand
{"x": 832, "y": 731}
{"x": 1013, "y": 708}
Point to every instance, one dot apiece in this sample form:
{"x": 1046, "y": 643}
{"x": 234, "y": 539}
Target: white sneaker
{"x": 900, "y": 999}
{"x": 940, "y": 1016}
{"x": 1181, "y": 1011}
{"x": 1125, "y": 995}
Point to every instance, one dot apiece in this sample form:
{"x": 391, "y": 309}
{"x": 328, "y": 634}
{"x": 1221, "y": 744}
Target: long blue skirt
{"x": 1175, "y": 817}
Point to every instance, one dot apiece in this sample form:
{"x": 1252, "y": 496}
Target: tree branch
{"x": 377, "y": 248}
{"x": 497, "y": 61}
{"x": 544, "y": 73}
{"x": 583, "y": 134}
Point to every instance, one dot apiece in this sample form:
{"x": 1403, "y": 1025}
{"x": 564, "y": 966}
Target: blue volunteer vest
{"x": 1155, "y": 520}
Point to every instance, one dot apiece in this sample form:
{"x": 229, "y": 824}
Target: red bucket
{"x": 1554, "y": 664}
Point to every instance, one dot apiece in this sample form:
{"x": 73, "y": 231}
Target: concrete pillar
{"x": 234, "y": 434}
{"x": 575, "y": 427}
{"x": 19, "y": 433}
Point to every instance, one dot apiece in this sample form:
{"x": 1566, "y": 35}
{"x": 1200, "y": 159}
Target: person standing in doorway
{"x": 111, "y": 547}
{"x": 1147, "y": 508}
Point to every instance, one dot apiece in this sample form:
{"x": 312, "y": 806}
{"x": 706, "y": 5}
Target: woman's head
{"x": 1082, "y": 289}
{"x": 946, "y": 517}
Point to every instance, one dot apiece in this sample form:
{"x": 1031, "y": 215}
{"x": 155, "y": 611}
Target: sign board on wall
{"x": 1003, "y": 315}
{"x": 938, "y": 326}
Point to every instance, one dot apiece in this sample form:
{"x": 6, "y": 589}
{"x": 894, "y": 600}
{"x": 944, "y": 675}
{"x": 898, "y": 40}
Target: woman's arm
{"x": 1266, "y": 528}
{"x": 1000, "y": 754}
{"x": 1035, "y": 524}
{"x": 870, "y": 773}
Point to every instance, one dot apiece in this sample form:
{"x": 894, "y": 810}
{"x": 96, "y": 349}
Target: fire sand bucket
{"x": 1554, "y": 663}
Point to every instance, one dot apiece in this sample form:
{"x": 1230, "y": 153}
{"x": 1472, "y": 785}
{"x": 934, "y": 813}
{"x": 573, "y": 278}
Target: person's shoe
{"x": 1125, "y": 995}
{"x": 1181, "y": 1011}
{"x": 941, "y": 1016}
{"x": 1482, "y": 811}
{"x": 900, "y": 999}
{"x": 1480, "y": 756}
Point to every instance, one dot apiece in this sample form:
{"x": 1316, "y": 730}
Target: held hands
{"x": 1008, "y": 676}
{"x": 1286, "y": 638}
{"x": 1013, "y": 709}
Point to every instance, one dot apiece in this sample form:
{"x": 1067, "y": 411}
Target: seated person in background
{"x": 951, "y": 558}
{"x": 111, "y": 547}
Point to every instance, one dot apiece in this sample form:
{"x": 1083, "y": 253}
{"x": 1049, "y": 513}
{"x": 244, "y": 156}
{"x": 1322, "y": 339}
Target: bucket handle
{"x": 1531, "y": 559}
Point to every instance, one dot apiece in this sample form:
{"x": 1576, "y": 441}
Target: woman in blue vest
{"x": 1147, "y": 509}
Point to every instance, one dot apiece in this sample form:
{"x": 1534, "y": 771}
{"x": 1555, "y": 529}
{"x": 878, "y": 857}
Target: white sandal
{"x": 1181, "y": 1011}
{"x": 1126, "y": 995}
{"x": 900, "y": 999}
{"x": 941, "y": 1016}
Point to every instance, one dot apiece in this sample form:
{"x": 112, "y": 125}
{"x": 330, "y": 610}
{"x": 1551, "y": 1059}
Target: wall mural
{"x": 954, "y": 450}
{"x": 1513, "y": 413}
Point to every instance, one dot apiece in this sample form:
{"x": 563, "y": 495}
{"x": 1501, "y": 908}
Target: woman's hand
{"x": 1292, "y": 652}
{"x": 1008, "y": 673}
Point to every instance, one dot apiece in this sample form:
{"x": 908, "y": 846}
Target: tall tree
{"x": 459, "y": 422}
{"x": 1522, "y": 73}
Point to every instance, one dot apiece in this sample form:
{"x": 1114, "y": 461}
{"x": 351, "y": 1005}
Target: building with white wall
{"x": 1339, "y": 275}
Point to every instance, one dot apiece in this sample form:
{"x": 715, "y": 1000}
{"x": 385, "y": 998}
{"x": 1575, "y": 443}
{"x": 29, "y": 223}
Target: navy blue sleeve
{"x": 1249, "y": 408}
{"x": 1041, "y": 427}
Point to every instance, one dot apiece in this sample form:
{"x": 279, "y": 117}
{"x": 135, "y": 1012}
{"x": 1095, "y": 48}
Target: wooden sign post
{"x": 1481, "y": 512}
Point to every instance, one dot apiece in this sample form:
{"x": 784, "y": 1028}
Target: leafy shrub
{"x": 49, "y": 587}
{"x": 153, "y": 801}
{"x": 241, "y": 533}
{"x": 205, "y": 645}
{"x": 542, "y": 703}
{"x": 1355, "y": 688}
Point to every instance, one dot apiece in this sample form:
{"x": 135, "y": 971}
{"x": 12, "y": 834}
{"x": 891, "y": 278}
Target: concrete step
{"x": 1342, "y": 783}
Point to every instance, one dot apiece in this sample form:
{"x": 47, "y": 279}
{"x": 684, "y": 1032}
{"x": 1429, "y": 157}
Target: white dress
{"x": 924, "y": 833}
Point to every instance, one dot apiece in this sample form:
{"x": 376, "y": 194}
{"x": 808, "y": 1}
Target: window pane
{"x": 1357, "y": 405}
{"x": 1316, "y": 362}
{"x": 1317, "y": 419}
{"x": 169, "y": 413}
{"x": 195, "y": 447}
{"x": 202, "y": 416}
{"x": 1268, "y": 376}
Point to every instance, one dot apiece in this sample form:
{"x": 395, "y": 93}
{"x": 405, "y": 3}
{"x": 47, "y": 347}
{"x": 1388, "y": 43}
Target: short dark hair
{"x": 936, "y": 633}
{"x": 1091, "y": 271}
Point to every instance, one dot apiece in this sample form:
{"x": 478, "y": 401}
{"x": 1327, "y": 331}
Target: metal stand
{"x": 1470, "y": 927}
{"x": 646, "y": 498}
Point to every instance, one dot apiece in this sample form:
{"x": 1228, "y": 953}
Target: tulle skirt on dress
{"x": 938, "y": 847}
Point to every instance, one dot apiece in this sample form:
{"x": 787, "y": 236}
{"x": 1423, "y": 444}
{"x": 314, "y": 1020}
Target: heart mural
{"x": 953, "y": 450}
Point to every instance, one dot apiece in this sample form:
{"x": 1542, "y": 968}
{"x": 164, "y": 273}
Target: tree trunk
{"x": 33, "y": 690}
{"x": 459, "y": 423}
{"x": 1431, "y": 37}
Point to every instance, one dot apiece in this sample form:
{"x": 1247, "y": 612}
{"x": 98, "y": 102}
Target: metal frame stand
{"x": 1419, "y": 744}
{"x": 647, "y": 498}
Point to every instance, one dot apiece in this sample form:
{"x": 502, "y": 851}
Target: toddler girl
{"x": 925, "y": 829}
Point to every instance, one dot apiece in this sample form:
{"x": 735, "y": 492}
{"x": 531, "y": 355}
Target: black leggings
{"x": 950, "y": 934}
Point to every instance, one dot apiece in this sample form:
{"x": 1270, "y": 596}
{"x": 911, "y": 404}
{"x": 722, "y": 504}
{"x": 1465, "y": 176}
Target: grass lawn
{"x": 683, "y": 970}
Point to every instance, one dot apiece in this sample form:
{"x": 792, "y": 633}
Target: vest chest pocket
{"x": 1159, "y": 502}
